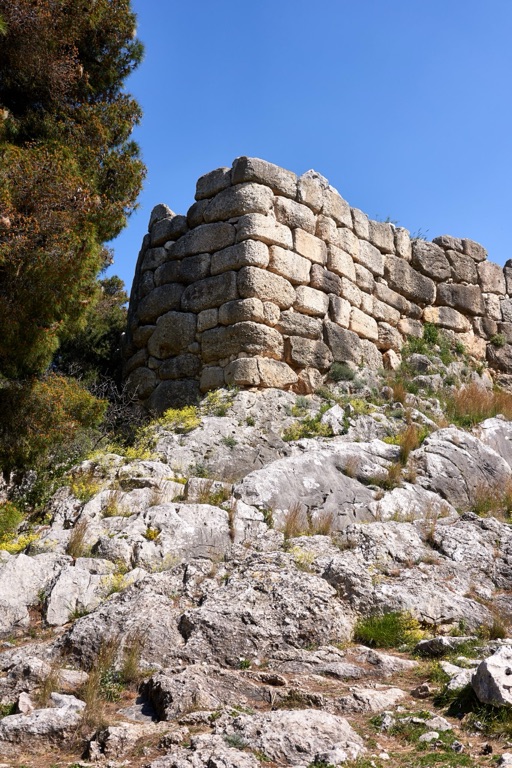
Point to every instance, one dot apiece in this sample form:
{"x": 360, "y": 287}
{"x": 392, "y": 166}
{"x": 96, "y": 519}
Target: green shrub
{"x": 309, "y": 427}
{"x": 181, "y": 420}
{"x": 431, "y": 333}
{"x": 341, "y": 372}
{"x": 10, "y": 518}
{"x": 498, "y": 340}
{"x": 388, "y": 630}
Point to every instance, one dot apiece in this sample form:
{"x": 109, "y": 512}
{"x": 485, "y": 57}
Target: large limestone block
{"x": 212, "y": 377}
{"x": 449, "y": 243}
{"x": 491, "y": 278}
{"x": 405, "y": 280}
{"x": 431, "y": 260}
{"x": 410, "y": 327}
{"x": 186, "y": 271}
{"x": 203, "y": 239}
{"x": 500, "y": 357}
{"x": 464, "y": 268}
{"x": 173, "y": 394}
{"x": 206, "y": 319}
{"x": 466, "y": 298}
{"x": 345, "y": 345}
{"x": 250, "y": 253}
{"x": 347, "y": 241}
{"x": 210, "y": 293}
{"x": 311, "y": 302}
{"x": 336, "y": 207}
{"x": 141, "y": 335}
{"x": 159, "y": 212}
{"x": 370, "y": 257}
{"x": 242, "y": 338}
{"x": 384, "y": 313}
{"x": 473, "y": 249}
{"x": 294, "y": 214}
{"x": 153, "y": 258}
{"x": 403, "y": 244}
{"x": 323, "y": 280}
{"x": 361, "y": 224}
{"x": 174, "y": 332}
{"x": 275, "y": 374}
{"x": 303, "y": 353}
{"x": 237, "y": 201}
{"x": 281, "y": 181}
{"x": 159, "y": 301}
{"x": 293, "y": 323}
{"x": 370, "y": 357}
{"x": 339, "y": 311}
{"x": 389, "y": 338}
{"x": 491, "y": 681}
{"x": 242, "y": 373}
{"x": 309, "y": 246}
{"x": 180, "y": 367}
{"x": 241, "y": 310}
{"x": 351, "y": 292}
{"x": 141, "y": 382}
{"x": 364, "y": 279}
{"x": 146, "y": 283}
{"x": 212, "y": 183}
{"x": 195, "y": 214}
{"x": 382, "y": 236}
{"x": 135, "y": 361}
{"x": 259, "y": 283}
{"x": 447, "y": 317}
{"x": 364, "y": 325}
{"x": 341, "y": 263}
{"x": 385, "y": 294}
{"x": 506, "y": 310}
{"x": 310, "y": 190}
{"x": 507, "y": 271}
{"x": 289, "y": 265}
{"x": 255, "y": 226}
{"x": 326, "y": 229}
{"x": 168, "y": 229}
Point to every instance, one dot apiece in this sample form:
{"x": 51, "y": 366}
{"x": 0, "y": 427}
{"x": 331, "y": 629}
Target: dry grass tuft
{"x": 489, "y": 501}
{"x": 76, "y": 544}
{"x": 472, "y": 404}
{"x": 295, "y": 522}
{"x": 399, "y": 392}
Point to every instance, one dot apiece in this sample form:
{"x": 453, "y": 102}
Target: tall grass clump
{"x": 388, "y": 630}
{"x": 473, "y": 404}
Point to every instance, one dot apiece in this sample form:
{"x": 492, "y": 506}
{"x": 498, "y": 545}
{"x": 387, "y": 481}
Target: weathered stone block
{"x": 484, "y": 327}
{"x": 431, "y": 260}
{"x": 180, "y": 367}
{"x": 336, "y": 207}
{"x": 310, "y": 190}
{"x": 500, "y": 357}
{"x": 209, "y": 293}
{"x": 212, "y": 183}
{"x": 389, "y": 338}
{"x": 250, "y": 253}
{"x": 384, "y": 312}
{"x": 361, "y": 224}
{"x": 506, "y": 330}
{"x": 206, "y": 319}
{"x": 339, "y": 311}
{"x": 347, "y": 241}
{"x": 449, "y": 243}
{"x": 142, "y": 335}
{"x": 275, "y": 374}
{"x": 403, "y": 243}
{"x": 303, "y": 352}
{"x": 241, "y": 310}
{"x": 366, "y": 304}
{"x": 466, "y": 298}
{"x": 341, "y": 263}
{"x": 382, "y": 236}
{"x": 506, "y": 311}
{"x": 363, "y": 325}
{"x": 309, "y": 246}
{"x": 159, "y": 212}
{"x": 311, "y": 302}
{"x": 146, "y": 283}
{"x": 491, "y": 278}
{"x": 159, "y": 301}
{"x": 464, "y": 268}
{"x": 195, "y": 214}
{"x": 242, "y": 373}
{"x": 135, "y": 361}
{"x": 204, "y": 239}
{"x": 212, "y": 377}
{"x": 364, "y": 279}
{"x": 247, "y": 337}
{"x": 391, "y": 360}
{"x": 345, "y": 345}
{"x": 350, "y": 292}
{"x": 237, "y": 201}
{"x": 141, "y": 383}
{"x": 323, "y": 280}
{"x": 370, "y": 355}
{"x": 492, "y": 306}
{"x": 153, "y": 258}
{"x": 168, "y": 229}
{"x": 173, "y": 394}
{"x": 186, "y": 271}
{"x": 370, "y": 257}
{"x": 447, "y": 317}
{"x": 271, "y": 313}
{"x": 294, "y": 214}
{"x": 326, "y": 229}
{"x": 409, "y": 327}
{"x": 403, "y": 278}
{"x": 282, "y": 182}
{"x": 173, "y": 333}
{"x": 259, "y": 283}
{"x": 507, "y": 271}
{"x": 265, "y": 228}
{"x": 475, "y": 250}
{"x": 289, "y": 265}
{"x": 293, "y": 323}
{"x": 394, "y": 299}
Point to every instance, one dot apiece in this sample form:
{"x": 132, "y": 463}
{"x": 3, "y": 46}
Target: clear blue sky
{"x": 405, "y": 106}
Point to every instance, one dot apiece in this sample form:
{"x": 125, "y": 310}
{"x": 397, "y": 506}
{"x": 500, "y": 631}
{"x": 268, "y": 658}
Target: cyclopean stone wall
{"x": 271, "y": 277}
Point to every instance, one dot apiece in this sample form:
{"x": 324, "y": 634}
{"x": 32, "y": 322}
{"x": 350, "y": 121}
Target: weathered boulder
{"x": 492, "y": 681}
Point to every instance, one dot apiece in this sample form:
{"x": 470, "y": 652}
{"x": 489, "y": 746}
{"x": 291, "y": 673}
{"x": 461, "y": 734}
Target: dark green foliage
{"x": 389, "y": 630}
{"x": 341, "y": 372}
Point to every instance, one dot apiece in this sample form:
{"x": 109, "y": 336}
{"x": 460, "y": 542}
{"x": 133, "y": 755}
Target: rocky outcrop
{"x": 266, "y": 283}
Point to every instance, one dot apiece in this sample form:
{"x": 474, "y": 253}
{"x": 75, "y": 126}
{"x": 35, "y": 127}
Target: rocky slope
{"x": 204, "y": 604}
